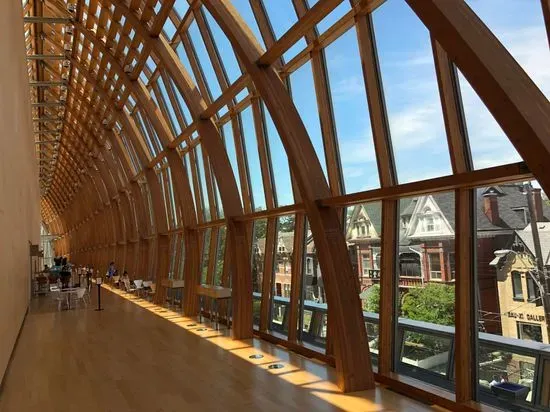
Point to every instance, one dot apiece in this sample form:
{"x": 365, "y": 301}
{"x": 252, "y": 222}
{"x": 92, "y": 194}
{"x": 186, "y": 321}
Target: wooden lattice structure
{"x": 135, "y": 163}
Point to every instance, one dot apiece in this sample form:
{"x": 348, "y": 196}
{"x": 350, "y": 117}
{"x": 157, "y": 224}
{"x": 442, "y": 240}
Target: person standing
{"x": 111, "y": 271}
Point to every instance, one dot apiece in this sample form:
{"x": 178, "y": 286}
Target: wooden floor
{"x": 135, "y": 356}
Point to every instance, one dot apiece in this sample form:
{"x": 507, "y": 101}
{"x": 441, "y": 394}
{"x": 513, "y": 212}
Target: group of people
{"x": 124, "y": 280}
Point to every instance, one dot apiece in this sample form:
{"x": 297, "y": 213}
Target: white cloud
{"x": 358, "y": 150}
{"x": 416, "y": 125}
{"x": 348, "y": 88}
{"x": 529, "y": 47}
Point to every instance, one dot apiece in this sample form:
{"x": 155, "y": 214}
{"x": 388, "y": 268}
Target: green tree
{"x": 433, "y": 303}
{"x": 260, "y": 228}
{"x": 372, "y": 302}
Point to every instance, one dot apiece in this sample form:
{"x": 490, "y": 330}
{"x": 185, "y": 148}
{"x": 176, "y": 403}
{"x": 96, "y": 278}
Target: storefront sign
{"x": 526, "y": 316}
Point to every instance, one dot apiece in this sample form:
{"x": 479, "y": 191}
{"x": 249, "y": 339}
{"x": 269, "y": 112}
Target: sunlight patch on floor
{"x": 322, "y": 388}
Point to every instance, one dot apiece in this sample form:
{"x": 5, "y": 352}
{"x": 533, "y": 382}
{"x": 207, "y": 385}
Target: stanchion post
{"x": 98, "y": 282}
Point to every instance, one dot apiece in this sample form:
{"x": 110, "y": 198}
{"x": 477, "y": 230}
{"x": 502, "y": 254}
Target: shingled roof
{"x": 509, "y": 197}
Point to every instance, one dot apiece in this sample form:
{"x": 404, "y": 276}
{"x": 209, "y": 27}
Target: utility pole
{"x": 543, "y": 280}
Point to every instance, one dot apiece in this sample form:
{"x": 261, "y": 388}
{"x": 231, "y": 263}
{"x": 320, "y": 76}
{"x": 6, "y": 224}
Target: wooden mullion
{"x": 388, "y": 287}
{"x": 211, "y": 49}
{"x": 196, "y": 67}
{"x": 173, "y": 100}
{"x": 242, "y": 164}
{"x": 465, "y": 313}
{"x": 375, "y": 97}
{"x": 264, "y": 153}
{"x": 209, "y": 178}
{"x": 455, "y": 122}
{"x": 296, "y": 278}
{"x": 196, "y": 184}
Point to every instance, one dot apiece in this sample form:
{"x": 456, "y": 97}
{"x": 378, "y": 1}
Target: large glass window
{"x": 231, "y": 149}
{"x": 252, "y": 156}
{"x": 426, "y": 288}
{"x": 488, "y": 143}
{"x": 205, "y": 61}
{"x": 314, "y": 311}
{"x": 505, "y": 260}
{"x": 258, "y": 257}
{"x": 224, "y": 48}
{"x": 351, "y": 114}
{"x": 205, "y": 254}
{"x": 220, "y": 257}
{"x": 412, "y": 95}
{"x": 284, "y": 194}
{"x": 519, "y": 26}
{"x": 303, "y": 95}
{"x": 282, "y": 274}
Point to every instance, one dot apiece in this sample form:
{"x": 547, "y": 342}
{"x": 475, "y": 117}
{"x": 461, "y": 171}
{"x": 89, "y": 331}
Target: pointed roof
{"x": 510, "y": 197}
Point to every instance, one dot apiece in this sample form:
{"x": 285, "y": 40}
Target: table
{"x": 68, "y": 291}
{"x": 172, "y": 284}
{"x": 214, "y": 293}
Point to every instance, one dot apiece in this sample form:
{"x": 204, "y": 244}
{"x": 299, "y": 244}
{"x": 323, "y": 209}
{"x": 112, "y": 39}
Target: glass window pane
{"x": 488, "y": 143}
{"x": 245, "y": 11}
{"x": 508, "y": 323}
{"x": 180, "y": 50}
{"x": 203, "y": 183}
{"x": 279, "y": 163}
{"x": 363, "y": 237}
{"x": 412, "y": 95}
{"x": 351, "y": 114}
{"x": 426, "y": 284}
{"x": 282, "y": 274}
{"x": 220, "y": 256}
{"x": 205, "y": 62}
{"x": 224, "y": 47}
{"x": 205, "y": 254}
{"x": 425, "y": 351}
{"x": 253, "y": 158}
{"x": 258, "y": 256}
{"x": 303, "y": 95}
{"x": 314, "y": 314}
{"x": 194, "y": 189}
{"x": 231, "y": 149}
{"x": 519, "y": 26}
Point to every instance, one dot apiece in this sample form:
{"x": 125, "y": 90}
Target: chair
{"x": 149, "y": 288}
{"x": 139, "y": 286}
{"x": 116, "y": 280}
{"x": 128, "y": 286}
{"x": 59, "y": 298}
{"x": 81, "y": 296}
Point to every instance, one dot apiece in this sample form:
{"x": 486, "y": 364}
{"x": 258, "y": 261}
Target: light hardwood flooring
{"x": 135, "y": 356}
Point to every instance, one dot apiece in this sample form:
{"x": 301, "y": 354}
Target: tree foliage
{"x": 433, "y": 303}
{"x": 372, "y": 302}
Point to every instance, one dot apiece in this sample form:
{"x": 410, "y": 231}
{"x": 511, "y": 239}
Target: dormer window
{"x": 430, "y": 224}
{"x": 521, "y": 212}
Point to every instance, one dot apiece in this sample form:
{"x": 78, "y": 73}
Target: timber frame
{"x": 142, "y": 173}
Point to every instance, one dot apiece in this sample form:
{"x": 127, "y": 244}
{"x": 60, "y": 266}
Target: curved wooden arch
{"x": 353, "y": 367}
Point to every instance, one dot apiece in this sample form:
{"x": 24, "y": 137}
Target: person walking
{"x": 111, "y": 271}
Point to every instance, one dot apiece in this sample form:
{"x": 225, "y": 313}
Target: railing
{"x": 426, "y": 351}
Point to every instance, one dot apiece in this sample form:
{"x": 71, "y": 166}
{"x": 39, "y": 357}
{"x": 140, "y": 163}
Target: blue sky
{"x": 410, "y": 88}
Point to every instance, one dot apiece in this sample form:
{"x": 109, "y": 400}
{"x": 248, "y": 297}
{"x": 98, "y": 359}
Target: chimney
{"x": 537, "y": 201}
{"x": 490, "y": 207}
